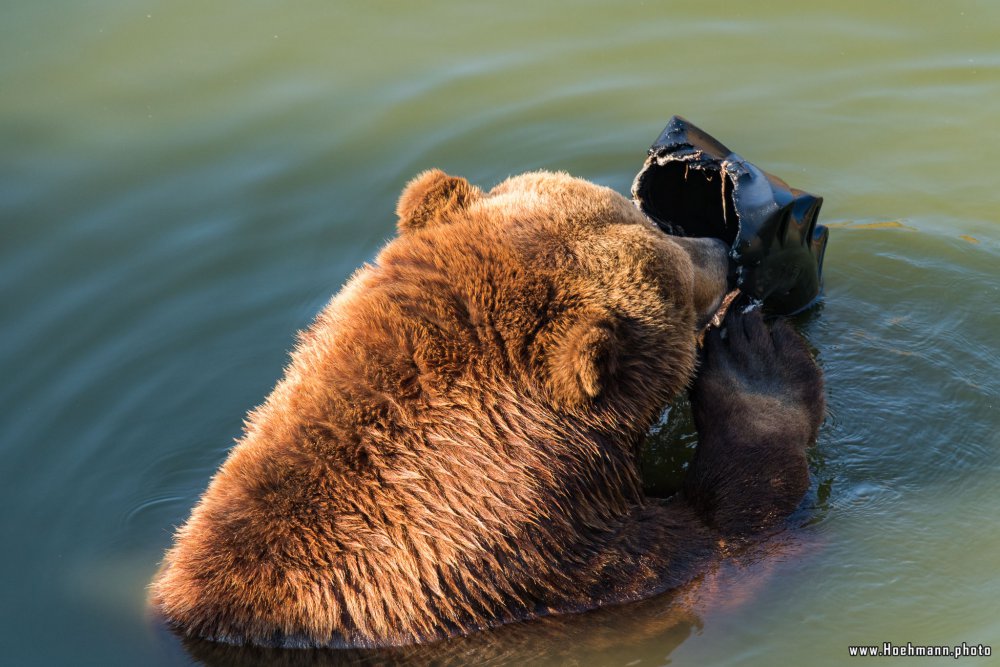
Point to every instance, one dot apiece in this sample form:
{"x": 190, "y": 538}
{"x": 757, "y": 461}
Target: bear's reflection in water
{"x": 598, "y": 637}
{"x": 649, "y": 630}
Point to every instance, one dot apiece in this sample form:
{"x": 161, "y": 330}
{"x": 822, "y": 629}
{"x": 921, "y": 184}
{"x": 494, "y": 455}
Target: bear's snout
{"x": 712, "y": 275}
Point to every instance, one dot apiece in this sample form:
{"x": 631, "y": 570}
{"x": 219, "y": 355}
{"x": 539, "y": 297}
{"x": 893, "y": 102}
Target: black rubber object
{"x": 692, "y": 185}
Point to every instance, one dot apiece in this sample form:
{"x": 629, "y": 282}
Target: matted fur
{"x": 454, "y": 443}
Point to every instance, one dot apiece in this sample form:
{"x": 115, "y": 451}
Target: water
{"x": 183, "y": 185}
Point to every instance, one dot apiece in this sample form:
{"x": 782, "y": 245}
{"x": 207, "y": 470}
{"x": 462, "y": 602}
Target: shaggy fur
{"x": 454, "y": 443}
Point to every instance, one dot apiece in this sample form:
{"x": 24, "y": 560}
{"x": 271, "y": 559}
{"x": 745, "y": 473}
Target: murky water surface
{"x": 184, "y": 184}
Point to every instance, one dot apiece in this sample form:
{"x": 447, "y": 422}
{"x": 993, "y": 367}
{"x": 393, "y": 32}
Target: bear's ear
{"x": 431, "y": 196}
{"x": 584, "y": 358}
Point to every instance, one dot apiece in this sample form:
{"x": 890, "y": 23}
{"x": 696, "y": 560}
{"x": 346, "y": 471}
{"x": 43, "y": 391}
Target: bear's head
{"x": 567, "y": 286}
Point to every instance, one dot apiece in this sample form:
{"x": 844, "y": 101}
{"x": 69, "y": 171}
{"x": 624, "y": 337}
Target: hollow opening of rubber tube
{"x": 686, "y": 199}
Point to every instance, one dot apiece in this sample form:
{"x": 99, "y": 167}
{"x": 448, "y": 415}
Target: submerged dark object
{"x": 692, "y": 185}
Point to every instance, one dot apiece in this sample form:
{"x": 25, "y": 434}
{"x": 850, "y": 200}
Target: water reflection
{"x": 589, "y": 639}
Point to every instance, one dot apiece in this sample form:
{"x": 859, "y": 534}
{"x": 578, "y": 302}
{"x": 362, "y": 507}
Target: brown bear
{"x": 454, "y": 445}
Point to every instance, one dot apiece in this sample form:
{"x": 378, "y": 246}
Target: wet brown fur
{"x": 453, "y": 445}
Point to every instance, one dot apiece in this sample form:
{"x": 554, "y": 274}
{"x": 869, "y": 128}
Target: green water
{"x": 184, "y": 184}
